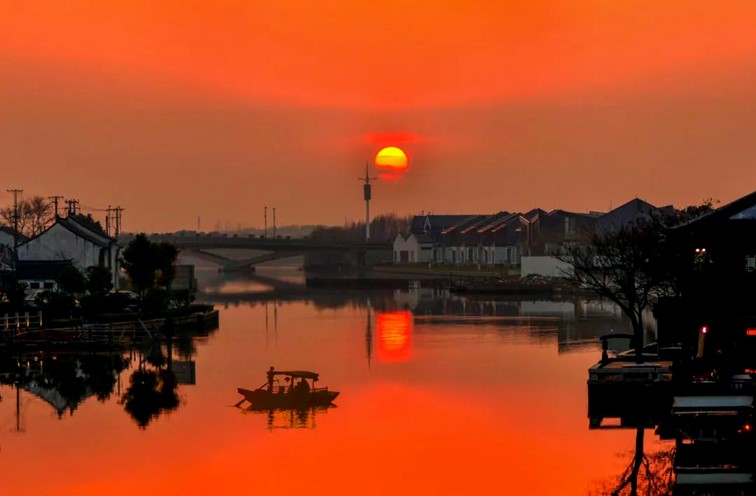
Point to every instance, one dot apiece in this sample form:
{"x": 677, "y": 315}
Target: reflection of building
{"x": 713, "y": 468}
{"x": 575, "y": 323}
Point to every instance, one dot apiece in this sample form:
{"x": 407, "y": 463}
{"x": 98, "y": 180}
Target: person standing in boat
{"x": 271, "y": 374}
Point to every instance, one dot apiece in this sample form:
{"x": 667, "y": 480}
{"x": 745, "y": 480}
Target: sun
{"x": 391, "y": 159}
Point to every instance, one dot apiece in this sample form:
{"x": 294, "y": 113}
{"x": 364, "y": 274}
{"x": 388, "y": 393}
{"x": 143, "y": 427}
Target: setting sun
{"x": 391, "y": 159}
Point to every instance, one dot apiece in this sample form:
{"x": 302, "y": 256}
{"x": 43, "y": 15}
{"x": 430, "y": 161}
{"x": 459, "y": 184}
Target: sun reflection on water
{"x": 394, "y": 335}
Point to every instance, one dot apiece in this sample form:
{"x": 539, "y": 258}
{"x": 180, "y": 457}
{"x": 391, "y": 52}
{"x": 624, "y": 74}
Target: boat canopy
{"x": 298, "y": 373}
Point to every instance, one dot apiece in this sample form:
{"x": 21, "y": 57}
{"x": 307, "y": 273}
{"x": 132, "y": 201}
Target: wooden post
{"x": 6, "y": 321}
{"x": 39, "y": 314}
{"x": 26, "y": 319}
{"x": 18, "y": 321}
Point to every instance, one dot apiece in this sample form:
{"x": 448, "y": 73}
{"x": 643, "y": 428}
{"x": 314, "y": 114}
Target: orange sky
{"x": 175, "y": 109}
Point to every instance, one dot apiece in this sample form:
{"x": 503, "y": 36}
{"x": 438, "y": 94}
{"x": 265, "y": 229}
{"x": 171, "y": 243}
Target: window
{"x": 750, "y": 263}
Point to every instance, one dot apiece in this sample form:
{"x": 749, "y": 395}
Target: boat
{"x": 296, "y": 390}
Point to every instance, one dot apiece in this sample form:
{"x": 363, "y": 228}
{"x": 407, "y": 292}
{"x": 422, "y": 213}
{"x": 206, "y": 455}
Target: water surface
{"x": 438, "y": 396}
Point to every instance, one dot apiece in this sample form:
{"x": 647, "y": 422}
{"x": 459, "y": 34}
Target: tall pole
{"x": 118, "y": 211}
{"x": 367, "y": 191}
{"x": 107, "y": 220}
{"x": 15, "y": 193}
{"x": 274, "y": 222}
{"x": 265, "y": 229}
{"x": 54, "y": 200}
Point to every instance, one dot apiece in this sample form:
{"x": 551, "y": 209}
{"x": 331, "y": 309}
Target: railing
{"x": 19, "y": 321}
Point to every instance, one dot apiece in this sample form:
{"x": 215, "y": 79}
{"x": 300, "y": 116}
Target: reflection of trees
{"x": 150, "y": 393}
{"x": 646, "y": 474}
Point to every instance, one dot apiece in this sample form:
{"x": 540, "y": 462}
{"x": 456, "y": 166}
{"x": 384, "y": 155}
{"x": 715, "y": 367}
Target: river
{"x": 438, "y": 396}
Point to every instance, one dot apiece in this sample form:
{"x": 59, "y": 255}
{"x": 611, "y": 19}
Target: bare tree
{"x": 34, "y": 215}
{"x": 632, "y": 265}
{"x": 624, "y": 266}
{"x": 646, "y": 474}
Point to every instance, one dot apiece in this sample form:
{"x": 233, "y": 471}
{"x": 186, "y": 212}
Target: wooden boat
{"x": 297, "y": 391}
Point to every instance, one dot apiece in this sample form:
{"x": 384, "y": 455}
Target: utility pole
{"x": 107, "y": 220}
{"x": 54, "y": 200}
{"x": 72, "y": 206}
{"x": 274, "y": 222}
{"x": 15, "y": 193}
{"x": 118, "y": 211}
{"x": 265, "y": 229}
{"x": 367, "y": 191}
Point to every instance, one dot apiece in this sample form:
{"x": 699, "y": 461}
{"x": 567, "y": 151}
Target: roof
{"x": 629, "y": 212}
{"x": 10, "y": 231}
{"x": 100, "y": 239}
{"x": 297, "y": 373}
{"x": 40, "y": 270}
{"x": 437, "y": 223}
{"x": 742, "y": 209}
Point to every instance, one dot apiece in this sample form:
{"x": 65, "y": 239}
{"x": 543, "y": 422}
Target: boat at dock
{"x": 634, "y": 389}
{"x": 297, "y": 389}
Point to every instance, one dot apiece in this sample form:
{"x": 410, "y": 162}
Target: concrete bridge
{"x": 199, "y": 245}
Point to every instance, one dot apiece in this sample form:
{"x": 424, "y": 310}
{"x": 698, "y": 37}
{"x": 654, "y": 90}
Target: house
{"x": 414, "y": 248}
{"x": 7, "y": 242}
{"x": 425, "y": 242}
{"x": 717, "y": 282}
{"x": 459, "y": 242}
{"x": 73, "y": 239}
{"x": 633, "y": 211}
{"x": 557, "y": 228}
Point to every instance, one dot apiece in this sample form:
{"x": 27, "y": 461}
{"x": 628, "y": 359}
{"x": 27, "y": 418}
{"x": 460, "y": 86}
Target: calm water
{"x": 438, "y": 396}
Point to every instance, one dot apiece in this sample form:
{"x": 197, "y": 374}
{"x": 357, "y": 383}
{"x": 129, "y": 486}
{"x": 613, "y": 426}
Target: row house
{"x": 503, "y": 238}
{"x": 424, "y": 243}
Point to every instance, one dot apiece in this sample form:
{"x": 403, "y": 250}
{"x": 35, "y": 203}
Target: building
{"x": 414, "y": 248}
{"x": 72, "y": 240}
{"x": 40, "y": 275}
{"x": 716, "y": 283}
{"x": 628, "y": 213}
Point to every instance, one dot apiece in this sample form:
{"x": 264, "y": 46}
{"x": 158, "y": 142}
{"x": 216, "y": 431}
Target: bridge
{"x": 199, "y": 245}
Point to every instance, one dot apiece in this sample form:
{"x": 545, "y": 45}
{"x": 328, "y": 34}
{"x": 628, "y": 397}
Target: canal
{"x": 438, "y": 395}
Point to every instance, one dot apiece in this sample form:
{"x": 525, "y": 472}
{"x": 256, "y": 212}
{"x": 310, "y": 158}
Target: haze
{"x": 180, "y": 109}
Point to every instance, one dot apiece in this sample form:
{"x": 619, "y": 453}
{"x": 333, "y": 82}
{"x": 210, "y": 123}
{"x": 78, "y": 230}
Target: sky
{"x": 187, "y": 112}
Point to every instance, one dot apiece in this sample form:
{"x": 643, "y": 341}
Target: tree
{"x": 34, "y": 215}
{"x": 148, "y": 263}
{"x": 140, "y": 261}
{"x": 70, "y": 280}
{"x": 99, "y": 280}
{"x": 167, "y": 255}
{"x": 633, "y": 265}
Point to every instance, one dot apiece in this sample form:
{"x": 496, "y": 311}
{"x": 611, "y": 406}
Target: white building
{"x": 415, "y": 248}
{"x": 69, "y": 239}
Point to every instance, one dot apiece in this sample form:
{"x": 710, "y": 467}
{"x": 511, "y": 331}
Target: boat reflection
{"x": 288, "y": 418}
